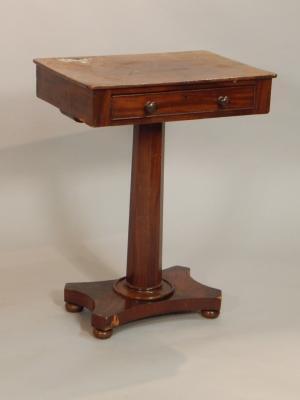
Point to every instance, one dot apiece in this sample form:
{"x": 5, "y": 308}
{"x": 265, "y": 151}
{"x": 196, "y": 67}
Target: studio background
{"x": 231, "y": 210}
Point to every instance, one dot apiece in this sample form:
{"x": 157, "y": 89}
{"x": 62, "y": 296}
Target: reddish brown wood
{"x": 144, "y": 255}
{"x": 99, "y": 334}
{"x": 263, "y": 96}
{"x": 144, "y": 277}
{"x": 144, "y": 291}
{"x": 90, "y": 89}
{"x": 136, "y": 70}
{"x": 110, "y": 310}
{"x": 73, "y": 308}
{"x": 148, "y": 90}
{"x": 183, "y": 102}
{"x": 210, "y": 314}
{"x": 74, "y": 101}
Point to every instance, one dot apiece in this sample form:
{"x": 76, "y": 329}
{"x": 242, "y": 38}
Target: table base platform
{"x": 111, "y": 309}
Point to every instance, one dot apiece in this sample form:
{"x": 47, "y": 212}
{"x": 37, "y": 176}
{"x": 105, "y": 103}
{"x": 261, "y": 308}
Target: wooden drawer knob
{"x": 223, "y": 101}
{"x": 150, "y": 107}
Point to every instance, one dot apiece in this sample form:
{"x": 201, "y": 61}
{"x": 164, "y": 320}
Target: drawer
{"x": 220, "y": 100}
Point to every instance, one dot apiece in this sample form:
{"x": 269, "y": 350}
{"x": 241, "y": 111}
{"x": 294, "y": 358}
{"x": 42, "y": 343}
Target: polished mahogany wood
{"x": 145, "y": 291}
{"x": 136, "y": 70}
{"x": 184, "y": 102}
{"x": 144, "y": 255}
{"x": 144, "y": 270}
{"x": 147, "y": 90}
{"x": 109, "y": 310}
{"x": 115, "y": 90}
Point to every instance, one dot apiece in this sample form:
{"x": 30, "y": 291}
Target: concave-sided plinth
{"x": 146, "y": 290}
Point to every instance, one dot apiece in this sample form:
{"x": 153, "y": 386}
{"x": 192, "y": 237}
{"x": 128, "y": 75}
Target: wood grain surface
{"x": 110, "y": 310}
{"x": 99, "y": 72}
{"x": 147, "y": 90}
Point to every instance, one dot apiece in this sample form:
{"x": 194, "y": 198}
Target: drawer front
{"x": 185, "y": 102}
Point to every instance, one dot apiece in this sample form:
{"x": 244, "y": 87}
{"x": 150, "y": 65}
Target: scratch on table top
{"x": 75, "y": 59}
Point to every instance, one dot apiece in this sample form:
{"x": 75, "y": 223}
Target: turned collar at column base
{"x": 166, "y": 289}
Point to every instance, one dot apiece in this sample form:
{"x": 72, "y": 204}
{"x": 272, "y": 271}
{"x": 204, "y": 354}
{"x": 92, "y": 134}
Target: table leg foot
{"x": 99, "y": 334}
{"x": 73, "y": 308}
{"x": 210, "y": 314}
{"x": 109, "y": 309}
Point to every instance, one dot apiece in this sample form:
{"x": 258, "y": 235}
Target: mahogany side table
{"x": 147, "y": 90}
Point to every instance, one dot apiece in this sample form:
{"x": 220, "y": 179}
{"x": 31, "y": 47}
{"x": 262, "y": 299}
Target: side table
{"x": 147, "y": 90}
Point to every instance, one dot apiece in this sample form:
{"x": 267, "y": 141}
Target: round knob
{"x": 150, "y": 107}
{"x": 223, "y": 101}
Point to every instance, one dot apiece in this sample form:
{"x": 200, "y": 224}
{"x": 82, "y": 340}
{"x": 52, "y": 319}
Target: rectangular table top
{"x": 117, "y": 71}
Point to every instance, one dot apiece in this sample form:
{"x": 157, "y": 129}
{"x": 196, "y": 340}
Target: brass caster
{"x": 210, "y": 314}
{"x": 73, "y": 308}
{"x": 102, "y": 334}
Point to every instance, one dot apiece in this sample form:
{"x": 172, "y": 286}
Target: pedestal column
{"x": 144, "y": 270}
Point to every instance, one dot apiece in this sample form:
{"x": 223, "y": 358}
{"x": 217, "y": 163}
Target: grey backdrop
{"x": 232, "y": 200}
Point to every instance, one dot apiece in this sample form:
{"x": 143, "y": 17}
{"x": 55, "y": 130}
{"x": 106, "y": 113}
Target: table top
{"x": 117, "y": 71}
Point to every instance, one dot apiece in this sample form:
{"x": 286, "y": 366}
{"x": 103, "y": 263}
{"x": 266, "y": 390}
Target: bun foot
{"x": 73, "y": 308}
{"x": 210, "y": 314}
{"x": 99, "y": 334}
